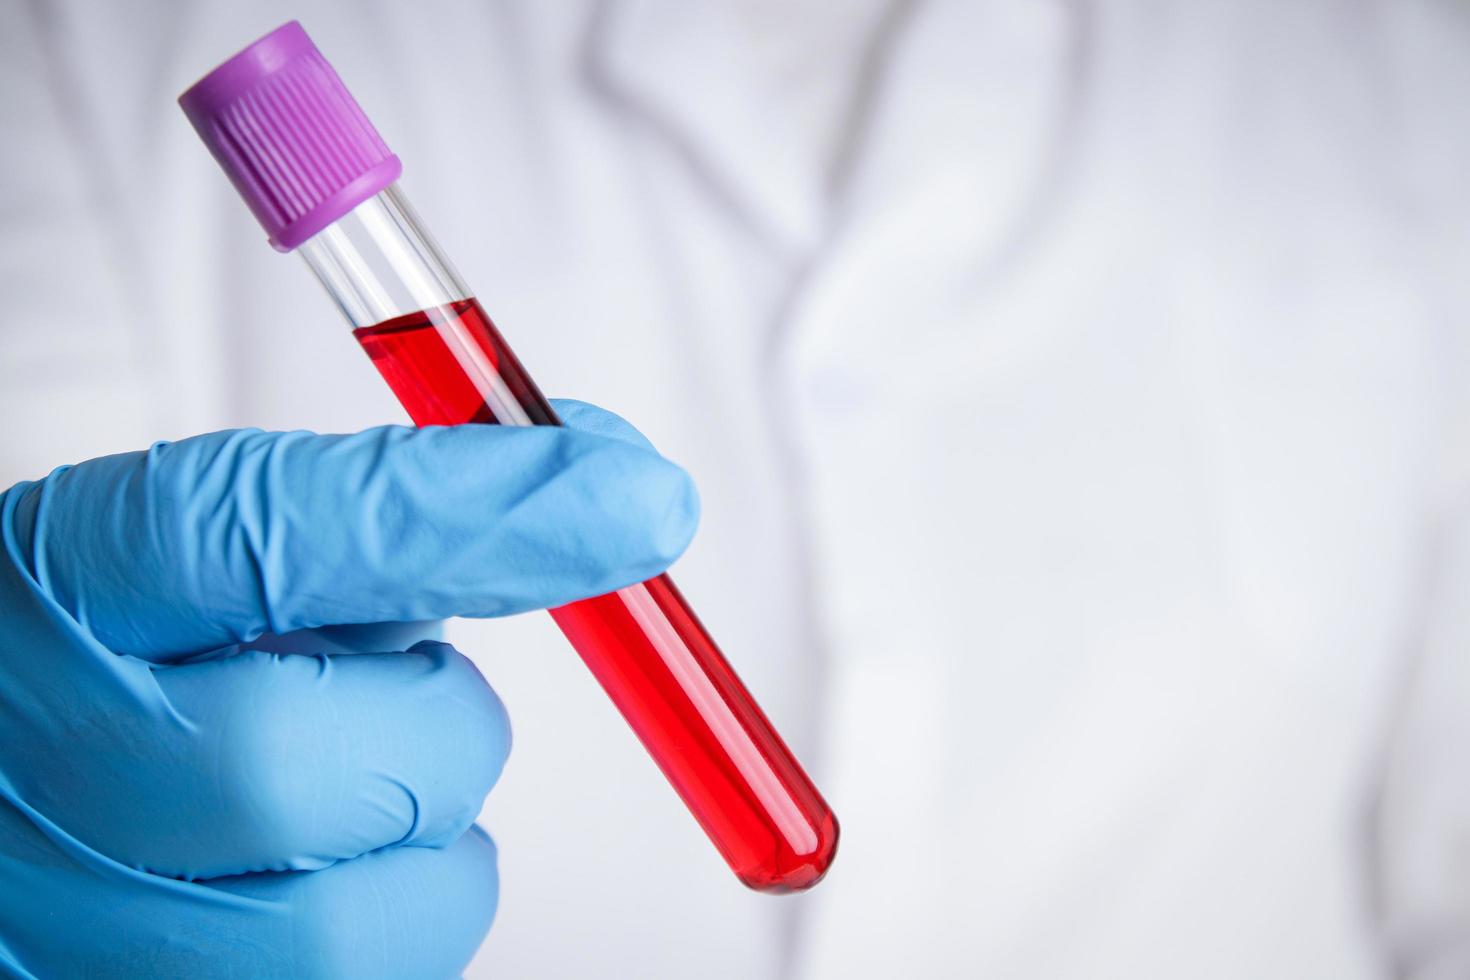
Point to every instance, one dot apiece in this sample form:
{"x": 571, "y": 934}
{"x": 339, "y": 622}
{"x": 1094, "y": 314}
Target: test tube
{"x": 321, "y": 181}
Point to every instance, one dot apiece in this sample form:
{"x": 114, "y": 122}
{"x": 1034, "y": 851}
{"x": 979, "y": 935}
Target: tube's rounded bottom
{"x": 793, "y": 872}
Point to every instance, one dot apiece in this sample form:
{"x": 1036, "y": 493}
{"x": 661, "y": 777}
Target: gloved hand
{"x": 181, "y": 798}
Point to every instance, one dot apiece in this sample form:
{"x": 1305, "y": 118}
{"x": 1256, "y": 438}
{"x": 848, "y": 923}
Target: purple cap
{"x": 289, "y": 135}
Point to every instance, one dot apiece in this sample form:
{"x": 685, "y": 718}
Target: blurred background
{"x": 1076, "y": 389}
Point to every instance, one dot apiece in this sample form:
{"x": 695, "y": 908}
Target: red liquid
{"x": 449, "y": 365}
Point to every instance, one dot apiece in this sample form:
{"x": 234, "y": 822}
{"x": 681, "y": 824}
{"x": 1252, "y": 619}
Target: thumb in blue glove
{"x": 176, "y": 799}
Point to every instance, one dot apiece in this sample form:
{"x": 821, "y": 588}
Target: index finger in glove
{"x": 216, "y": 539}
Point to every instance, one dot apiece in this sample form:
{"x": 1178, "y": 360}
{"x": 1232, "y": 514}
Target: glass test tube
{"x": 275, "y": 118}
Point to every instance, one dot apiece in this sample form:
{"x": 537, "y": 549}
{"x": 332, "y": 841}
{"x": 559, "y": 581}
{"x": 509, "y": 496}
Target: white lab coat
{"x": 1077, "y": 391}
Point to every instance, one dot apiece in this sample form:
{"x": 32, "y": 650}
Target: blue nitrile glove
{"x": 176, "y": 800}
